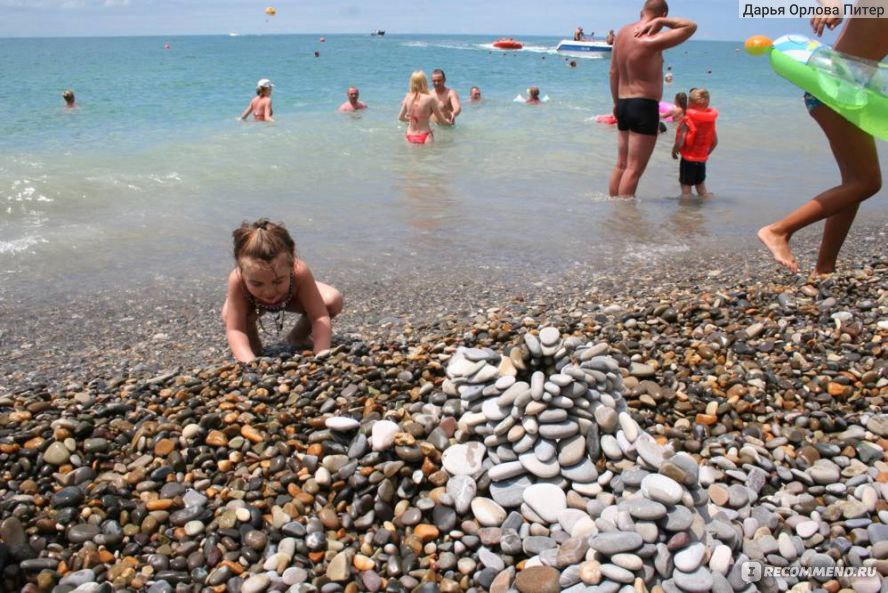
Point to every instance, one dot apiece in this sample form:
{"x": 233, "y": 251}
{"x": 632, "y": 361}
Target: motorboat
{"x": 585, "y": 47}
{"x": 507, "y": 43}
{"x": 378, "y": 33}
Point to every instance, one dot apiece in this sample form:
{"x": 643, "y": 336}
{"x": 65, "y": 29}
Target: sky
{"x": 717, "y": 19}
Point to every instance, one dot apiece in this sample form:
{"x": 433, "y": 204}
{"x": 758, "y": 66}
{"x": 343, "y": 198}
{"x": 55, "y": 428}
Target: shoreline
{"x": 159, "y": 327}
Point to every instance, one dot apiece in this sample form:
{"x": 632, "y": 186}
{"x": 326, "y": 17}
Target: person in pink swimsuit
{"x": 417, "y": 109}
{"x": 260, "y": 106}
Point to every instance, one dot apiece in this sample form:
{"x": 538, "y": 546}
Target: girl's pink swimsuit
{"x": 419, "y": 137}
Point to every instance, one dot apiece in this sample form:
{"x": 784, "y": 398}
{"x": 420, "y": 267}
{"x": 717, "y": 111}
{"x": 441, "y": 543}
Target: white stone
{"x": 662, "y": 489}
{"x": 341, "y": 423}
{"x": 382, "y": 435}
{"x": 488, "y": 512}
{"x": 464, "y": 459}
{"x": 546, "y": 500}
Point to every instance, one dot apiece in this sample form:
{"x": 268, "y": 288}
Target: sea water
{"x": 149, "y": 175}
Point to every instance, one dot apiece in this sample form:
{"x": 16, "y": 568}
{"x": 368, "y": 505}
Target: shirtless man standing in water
{"x": 636, "y": 80}
{"x": 448, "y": 99}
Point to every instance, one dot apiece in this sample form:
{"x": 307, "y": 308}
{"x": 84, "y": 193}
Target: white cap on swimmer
{"x": 264, "y": 83}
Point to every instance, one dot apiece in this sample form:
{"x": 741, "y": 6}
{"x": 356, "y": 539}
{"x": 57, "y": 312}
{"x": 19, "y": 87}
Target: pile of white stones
{"x": 601, "y": 506}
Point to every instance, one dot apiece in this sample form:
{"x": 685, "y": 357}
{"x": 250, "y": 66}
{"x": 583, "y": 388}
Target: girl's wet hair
{"x": 263, "y": 240}
{"x": 681, "y": 99}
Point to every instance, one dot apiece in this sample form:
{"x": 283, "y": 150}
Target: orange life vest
{"x": 700, "y": 134}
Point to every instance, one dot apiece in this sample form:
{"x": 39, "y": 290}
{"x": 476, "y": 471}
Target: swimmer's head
{"x": 263, "y": 87}
{"x": 681, "y": 99}
{"x": 438, "y": 78}
{"x": 655, "y": 8}
{"x": 68, "y": 96}
{"x": 534, "y": 92}
{"x": 353, "y": 93}
{"x": 475, "y": 94}
{"x": 418, "y": 82}
{"x": 573, "y": 63}
{"x": 668, "y": 77}
{"x": 699, "y": 98}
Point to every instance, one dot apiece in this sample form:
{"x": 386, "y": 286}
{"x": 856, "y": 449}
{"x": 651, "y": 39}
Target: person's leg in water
{"x": 855, "y": 153}
{"x": 622, "y": 161}
{"x": 298, "y": 337}
{"x": 856, "y": 156}
{"x": 641, "y": 146}
{"x": 702, "y": 191}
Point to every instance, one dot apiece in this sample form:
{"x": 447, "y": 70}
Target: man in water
{"x": 353, "y": 104}
{"x": 475, "y": 95}
{"x": 636, "y": 80}
{"x": 448, "y": 99}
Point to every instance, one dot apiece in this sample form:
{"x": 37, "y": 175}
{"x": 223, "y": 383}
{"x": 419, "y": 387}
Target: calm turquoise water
{"x": 153, "y": 171}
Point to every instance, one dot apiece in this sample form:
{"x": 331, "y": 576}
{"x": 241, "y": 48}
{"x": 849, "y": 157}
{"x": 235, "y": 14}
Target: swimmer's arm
{"x": 680, "y": 30}
{"x": 439, "y": 115}
{"x": 236, "y": 322}
{"x": 403, "y": 115}
{"x": 457, "y": 106}
{"x": 268, "y": 112}
{"x": 247, "y": 111}
{"x": 315, "y": 309}
{"x": 679, "y": 140}
{"x": 714, "y": 141}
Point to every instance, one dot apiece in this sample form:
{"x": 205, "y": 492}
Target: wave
{"x": 19, "y": 245}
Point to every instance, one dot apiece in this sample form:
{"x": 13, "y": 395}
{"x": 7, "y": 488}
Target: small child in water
{"x": 68, "y": 96}
{"x": 680, "y": 106}
{"x": 695, "y": 139}
{"x": 533, "y": 95}
{"x": 260, "y": 106}
{"x": 269, "y": 278}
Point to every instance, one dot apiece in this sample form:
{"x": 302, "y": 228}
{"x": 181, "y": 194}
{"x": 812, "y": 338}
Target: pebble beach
{"x": 654, "y": 429}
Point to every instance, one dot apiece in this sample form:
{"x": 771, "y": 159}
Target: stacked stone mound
{"x": 600, "y": 503}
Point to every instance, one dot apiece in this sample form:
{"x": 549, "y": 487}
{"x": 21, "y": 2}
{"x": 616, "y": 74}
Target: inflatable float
{"x": 664, "y": 107}
{"x": 855, "y": 88}
{"x": 507, "y": 43}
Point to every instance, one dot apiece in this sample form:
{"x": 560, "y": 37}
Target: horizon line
{"x": 363, "y": 34}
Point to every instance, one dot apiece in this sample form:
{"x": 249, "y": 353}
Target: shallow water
{"x": 150, "y": 175}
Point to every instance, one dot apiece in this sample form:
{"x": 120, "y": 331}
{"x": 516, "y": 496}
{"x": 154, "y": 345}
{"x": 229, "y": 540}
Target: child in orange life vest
{"x": 695, "y": 139}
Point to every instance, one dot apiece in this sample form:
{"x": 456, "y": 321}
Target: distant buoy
{"x": 323, "y": 39}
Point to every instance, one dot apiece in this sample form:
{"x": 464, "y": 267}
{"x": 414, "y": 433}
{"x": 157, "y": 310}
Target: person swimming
{"x": 474, "y": 95}
{"x": 533, "y": 96}
{"x": 353, "y": 104}
{"x": 260, "y": 106}
{"x": 417, "y": 109}
{"x": 68, "y": 96}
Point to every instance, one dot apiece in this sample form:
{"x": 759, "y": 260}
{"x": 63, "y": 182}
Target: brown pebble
{"x": 425, "y": 532}
{"x": 251, "y": 434}
{"x": 164, "y": 447}
{"x": 216, "y": 439}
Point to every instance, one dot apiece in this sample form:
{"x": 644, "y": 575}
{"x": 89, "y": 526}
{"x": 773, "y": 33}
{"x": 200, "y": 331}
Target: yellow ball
{"x": 758, "y": 45}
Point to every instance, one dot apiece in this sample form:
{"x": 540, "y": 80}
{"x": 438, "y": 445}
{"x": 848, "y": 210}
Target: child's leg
{"x": 701, "y": 190}
{"x": 298, "y": 336}
{"x": 685, "y": 191}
